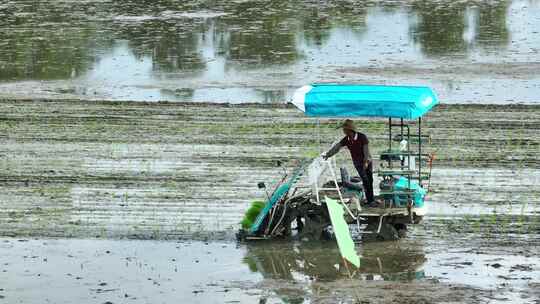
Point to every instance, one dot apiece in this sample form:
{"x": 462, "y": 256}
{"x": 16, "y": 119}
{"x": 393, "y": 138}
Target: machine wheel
{"x": 388, "y": 232}
{"x": 401, "y": 230}
{"x": 306, "y": 221}
{"x": 314, "y": 228}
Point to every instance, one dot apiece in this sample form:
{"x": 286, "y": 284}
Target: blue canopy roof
{"x": 334, "y": 100}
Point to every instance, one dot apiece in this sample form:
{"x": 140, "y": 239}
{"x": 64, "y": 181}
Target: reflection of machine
{"x": 296, "y": 206}
{"x": 321, "y": 261}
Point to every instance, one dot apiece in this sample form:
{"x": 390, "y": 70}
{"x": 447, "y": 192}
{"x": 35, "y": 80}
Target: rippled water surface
{"x": 114, "y": 271}
{"x": 259, "y": 51}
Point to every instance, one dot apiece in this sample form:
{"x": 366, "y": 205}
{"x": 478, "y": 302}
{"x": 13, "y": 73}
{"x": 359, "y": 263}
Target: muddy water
{"x": 107, "y": 271}
{"x": 259, "y": 51}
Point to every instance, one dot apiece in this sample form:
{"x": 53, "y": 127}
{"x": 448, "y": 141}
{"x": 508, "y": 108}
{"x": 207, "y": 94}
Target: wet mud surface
{"x": 261, "y": 50}
{"x": 408, "y": 271}
{"x": 186, "y": 170}
{"x": 183, "y": 174}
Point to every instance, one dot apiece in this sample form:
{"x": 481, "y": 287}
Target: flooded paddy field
{"x": 124, "y": 271}
{"x": 74, "y": 168}
{"x": 106, "y": 200}
{"x": 139, "y": 201}
{"x": 261, "y": 50}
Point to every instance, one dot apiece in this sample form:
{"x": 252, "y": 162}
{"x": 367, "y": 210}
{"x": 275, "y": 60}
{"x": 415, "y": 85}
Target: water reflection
{"x": 253, "y": 35}
{"x": 322, "y": 262}
{"x": 440, "y": 28}
{"x": 258, "y": 49}
{"x": 452, "y": 28}
{"x": 318, "y": 22}
{"x": 492, "y": 24}
{"x": 291, "y": 270}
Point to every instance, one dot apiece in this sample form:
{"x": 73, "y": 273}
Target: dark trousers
{"x": 367, "y": 179}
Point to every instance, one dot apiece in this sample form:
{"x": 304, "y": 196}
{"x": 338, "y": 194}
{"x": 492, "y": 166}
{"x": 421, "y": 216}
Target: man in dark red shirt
{"x": 358, "y": 145}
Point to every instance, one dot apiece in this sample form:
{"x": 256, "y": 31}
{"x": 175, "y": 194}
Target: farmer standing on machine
{"x": 357, "y": 143}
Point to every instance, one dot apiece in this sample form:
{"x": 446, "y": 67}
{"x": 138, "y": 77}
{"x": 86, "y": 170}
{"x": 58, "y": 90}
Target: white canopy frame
{"x": 316, "y": 172}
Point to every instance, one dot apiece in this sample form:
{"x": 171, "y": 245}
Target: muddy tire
{"x": 402, "y": 230}
{"x": 313, "y": 230}
{"x": 388, "y": 233}
{"x": 306, "y": 222}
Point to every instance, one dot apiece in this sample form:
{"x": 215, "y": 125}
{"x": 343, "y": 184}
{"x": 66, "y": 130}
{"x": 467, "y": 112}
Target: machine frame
{"x": 298, "y": 197}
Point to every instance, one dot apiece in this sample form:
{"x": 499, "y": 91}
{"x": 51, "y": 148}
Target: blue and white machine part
{"x": 332, "y": 100}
